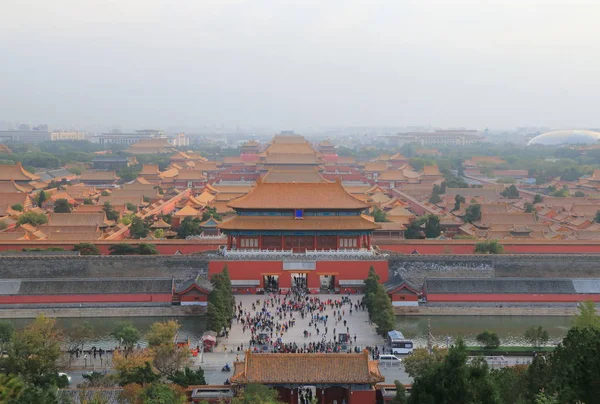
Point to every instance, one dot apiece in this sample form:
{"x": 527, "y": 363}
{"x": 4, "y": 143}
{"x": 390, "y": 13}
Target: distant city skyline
{"x": 310, "y": 64}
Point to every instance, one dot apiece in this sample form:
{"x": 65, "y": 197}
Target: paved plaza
{"x": 357, "y": 323}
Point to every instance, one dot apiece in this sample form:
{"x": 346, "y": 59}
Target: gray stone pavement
{"x": 358, "y": 324}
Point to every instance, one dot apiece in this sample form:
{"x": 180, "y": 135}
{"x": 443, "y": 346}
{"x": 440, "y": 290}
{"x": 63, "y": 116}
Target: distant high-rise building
{"x": 25, "y": 134}
{"x": 437, "y": 138}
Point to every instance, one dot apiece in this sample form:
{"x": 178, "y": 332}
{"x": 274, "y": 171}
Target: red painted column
{"x": 337, "y": 242}
{"x": 260, "y": 242}
{"x": 282, "y": 242}
{"x": 358, "y": 242}
{"x": 315, "y": 242}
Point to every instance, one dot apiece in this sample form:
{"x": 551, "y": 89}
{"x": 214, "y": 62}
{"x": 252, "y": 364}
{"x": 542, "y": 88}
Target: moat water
{"x": 510, "y": 329}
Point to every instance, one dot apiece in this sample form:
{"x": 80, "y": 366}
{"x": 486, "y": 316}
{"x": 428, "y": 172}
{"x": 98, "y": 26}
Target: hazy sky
{"x": 294, "y": 64}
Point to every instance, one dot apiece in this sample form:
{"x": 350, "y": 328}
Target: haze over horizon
{"x": 300, "y": 64}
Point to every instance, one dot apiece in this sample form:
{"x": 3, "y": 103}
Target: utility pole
{"x": 429, "y": 337}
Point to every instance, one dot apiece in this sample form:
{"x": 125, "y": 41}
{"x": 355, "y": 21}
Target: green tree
{"x": 488, "y": 339}
{"x": 560, "y": 193}
{"x": 575, "y": 366}
{"x": 18, "y": 207}
{"x": 138, "y": 229}
{"x": 159, "y": 233}
{"x": 126, "y": 336}
{"x": 473, "y": 213}
{"x": 400, "y": 397}
{"x": 382, "y": 311}
{"x": 33, "y": 218}
{"x": 257, "y": 393}
{"x": 538, "y": 198}
{"x": 35, "y": 351}
{"x": 536, "y": 336}
{"x": 413, "y": 230}
{"x": 188, "y": 377}
{"x": 511, "y": 192}
{"x": 588, "y": 316}
{"x": 88, "y": 201}
{"x": 131, "y": 207}
{"x": 421, "y": 361}
{"x": 455, "y": 382}
{"x": 579, "y": 194}
{"x": 147, "y": 249}
{"x": 62, "y": 206}
{"x": 158, "y": 393}
{"x": 418, "y": 163}
{"x": 370, "y": 287}
{"x": 435, "y": 199}
{"x": 189, "y": 227}
{"x": 41, "y": 198}
{"x": 122, "y": 249}
{"x": 489, "y": 247}
{"x": 597, "y": 218}
{"x": 432, "y": 226}
{"x": 443, "y": 187}
{"x": 138, "y": 375}
{"x": 86, "y": 249}
{"x": 511, "y": 382}
{"x": 111, "y": 214}
{"x": 210, "y": 212}
{"x": 458, "y": 199}
{"x": 529, "y": 207}
{"x": 379, "y": 215}
{"x": 105, "y": 193}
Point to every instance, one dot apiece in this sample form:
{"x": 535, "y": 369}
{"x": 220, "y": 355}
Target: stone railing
{"x": 363, "y": 253}
{"x": 248, "y": 253}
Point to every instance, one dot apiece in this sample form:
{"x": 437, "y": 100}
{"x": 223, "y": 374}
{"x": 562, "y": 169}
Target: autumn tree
{"x": 35, "y": 351}
{"x": 126, "y": 336}
{"x": 587, "y": 316}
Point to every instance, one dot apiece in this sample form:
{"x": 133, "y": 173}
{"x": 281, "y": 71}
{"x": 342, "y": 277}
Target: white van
{"x": 389, "y": 360}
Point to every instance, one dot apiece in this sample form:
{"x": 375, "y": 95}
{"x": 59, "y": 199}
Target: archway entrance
{"x": 299, "y": 281}
{"x": 271, "y": 283}
{"x": 327, "y": 283}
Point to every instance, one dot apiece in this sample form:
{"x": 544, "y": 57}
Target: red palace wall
{"x": 404, "y": 297}
{"x": 362, "y": 396}
{"x": 41, "y": 299}
{"x": 163, "y": 249}
{"x": 450, "y": 247}
{"x": 502, "y": 297}
{"x": 169, "y": 247}
{"x": 255, "y": 270}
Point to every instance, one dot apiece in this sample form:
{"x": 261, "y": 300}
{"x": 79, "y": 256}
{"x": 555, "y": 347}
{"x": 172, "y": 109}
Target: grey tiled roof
{"x": 94, "y": 286}
{"x": 587, "y": 285}
{"x": 499, "y": 285}
{"x": 201, "y": 282}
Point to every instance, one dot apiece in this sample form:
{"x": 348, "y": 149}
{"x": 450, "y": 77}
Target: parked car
{"x": 389, "y": 360}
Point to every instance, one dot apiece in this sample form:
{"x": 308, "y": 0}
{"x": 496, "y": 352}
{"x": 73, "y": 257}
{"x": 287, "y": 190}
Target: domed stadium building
{"x": 562, "y": 137}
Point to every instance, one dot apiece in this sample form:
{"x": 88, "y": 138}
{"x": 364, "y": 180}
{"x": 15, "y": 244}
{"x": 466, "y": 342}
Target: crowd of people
{"x": 269, "y": 319}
